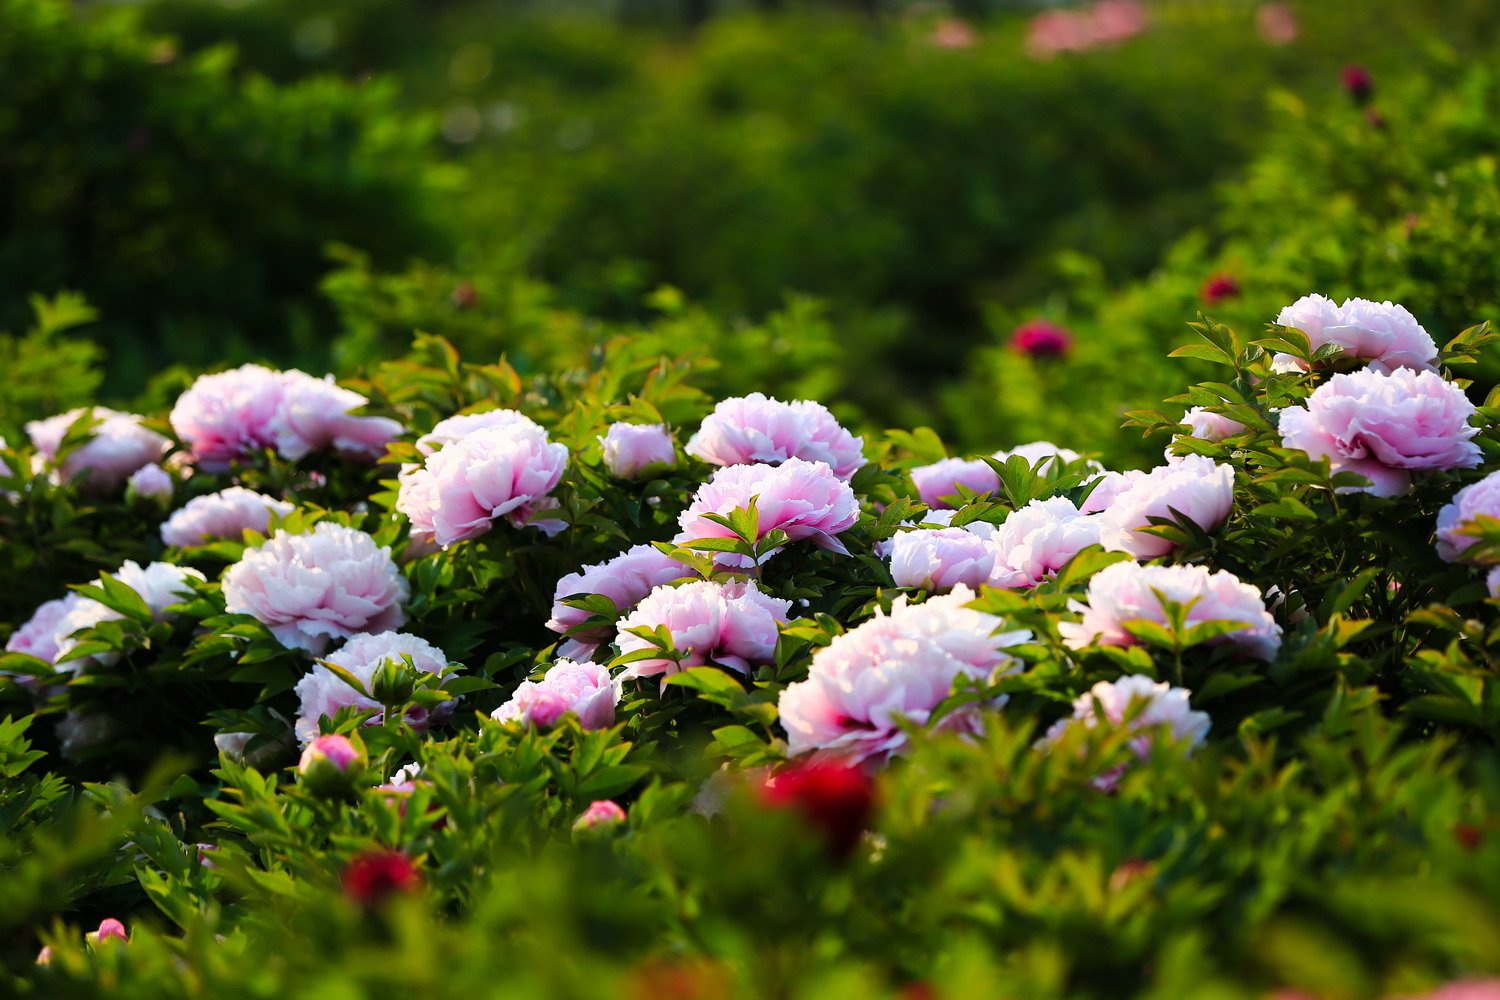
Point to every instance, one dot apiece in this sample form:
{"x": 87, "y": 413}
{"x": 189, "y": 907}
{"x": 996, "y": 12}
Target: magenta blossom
{"x": 807, "y": 500}
{"x": 1041, "y": 339}
{"x": 1384, "y": 427}
{"x": 1195, "y": 487}
{"x": 585, "y": 689}
{"x": 117, "y": 445}
{"x": 730, "y": 625}
{"x": 631, "y": 448}
{"x": 330, "y": 583}
{"x": 227, "y": 514}
{"x": 625, "y": 579}
{"x": 1475, "y": 500}
{"x": 502, "y": 471}
{"x": 937, "y": 482}
{"x": 1219, "y": 288}
{"x": 895, "y": 668}
{"x": 757, "y": 428}
{"x": 1127, "y": 592}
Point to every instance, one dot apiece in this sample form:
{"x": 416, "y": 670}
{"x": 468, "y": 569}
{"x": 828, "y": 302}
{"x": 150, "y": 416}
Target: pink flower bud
{"x": 109, "y": 929}
{"x": 600, "y": 815}
{"x": 1041, "y": 339}
{"x": 630, "y": 448}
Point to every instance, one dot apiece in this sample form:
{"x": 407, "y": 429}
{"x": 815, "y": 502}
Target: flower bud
{"x": 1358, "y": 84}
{"x": 149, "y": 486}
{"x": 109, "y": 929}
{"x": 393, "y": 682}
{"x": 330, "y": 765}
{"x": 1041, "y": 339}
{"x": 599, "y": 817}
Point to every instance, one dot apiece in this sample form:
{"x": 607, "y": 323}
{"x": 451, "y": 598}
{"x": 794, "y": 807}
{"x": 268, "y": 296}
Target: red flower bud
{"x": 1358, "y": 84}
{"x": 375, "y": 876}
{"x": 836, "y": 799}
{"x": 1041, "y": 339}
{"x": 1218, "y": 288}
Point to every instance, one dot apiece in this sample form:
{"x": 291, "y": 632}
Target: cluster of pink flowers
{"x": 223, "y": 515}
{"x": 322, "y": 692}
{"x": 757, "y": 428}
{"x": 1142, "y": 704}
{"x": 731, "y": 625}
{"x": 585, "y": 689}
{"x": 894, "y": 668}
{"x": 505, "y": 469}
{"x": 1106, "y": 22}
{"x": 1385, "y": 427}
{"x": 229, "y": 416}
{"x": 118, "y": 445}
{"x": 807, "y": 500}
{"x": 1128, "y": 592}
{"x": 1382, "y": 333}
{"x": 630, "y": 449}
{"x": 625, "y": 579}
{"x": 330, "y": 583}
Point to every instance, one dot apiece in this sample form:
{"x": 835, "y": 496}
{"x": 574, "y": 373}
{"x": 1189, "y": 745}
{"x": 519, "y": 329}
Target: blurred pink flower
{"x": 625, "y": 579}
{"x": 629, "y": 448}
{"x": 151, "y": 482}
{"x": 501, "y": 471}
{"x": 1106, "y": 22}
{"x": 1276, "y": 23}
{"x": 600, "y": 815}
{"x": 807, "y": 500}
{"x": 1384, "y": 427}
{"x": 1154, "y": 705}
{"x": 1041, "y": 339}
{"x": 1126, "y": 592}
{"x": 1219, "y": 288}
{"x": 585, "y": 689}
{"x": 117, "y": 446}
{"x": 223, "y": 515}
{"x": 1358, "y": 84}
{"x": 953, "y": 33}
{"x": 758, "y": 428}
{"x": 1475, "y": 499}
{"x": 110, "y": 929}
{"x": 730, "y": 625}
{"x": 330, "y": 583}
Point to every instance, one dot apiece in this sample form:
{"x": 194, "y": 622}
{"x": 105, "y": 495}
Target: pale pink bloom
{"x": 1384, "y": 427}
{"x": 322, "y": 692}
{"x": 315, "y": 415}
{"x": 757, "y": 428}
{"x": 118, "y": 446}
{"x": 1383, "y": 333}
{"x": 625, "y": 579}
{"x": 726, "y": 624}
{"x": 503, "y": 471}
{"x": 585, "y": 689}
{"x": 229, "y": 415}
{"x": 226, "y": 514}
{"x": 941, "y": 479}
{"x": 895, "y": 668}
{"x": 1276, "y": 23}
{"x": 38, "y": 637}
{"x": 807, "y": 500}
{"x": 161, "y": 585}
{"x": 1050, "y": 456}
{"x": 331, "y": 583}
{"x": 1203, "y": 423}
{"x": 1127, "y": 591}
{"x": 629, "y": 448}
{"x": 953, "y": 33}
{"x": 600, "y": 815}
{"x": 1039, "y": 539}
{"x": 1478, "y": 498}
{"x": 940, "y": 559}
{"x": 1152, "y": 704}
{"x": 1109, "y": 487}
{"x": 1195, "y": 487}
{"x": 328, "y": 752}
{"x": 151, "y": 482}
{"x": 450, "y": 430}
{"x": 1492, "y": 581}
{"x": 110, "y": 929}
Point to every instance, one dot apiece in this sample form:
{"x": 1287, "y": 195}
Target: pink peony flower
{"x": 806, "y": 500}
{"x": 151, "y": 482}
{"x": 940, "y": 480}
{"x": 894, "y": 667}
{"x": 226, "y": 514}
{"x": 1039, "y": 539}
{"x": 1126, "y": 592}
{"x": 315, "y": 415}
{"x": 1195, "y": 487}
{"x": 1047, "y": 455}
{"x": 1384, "y": 427}
{"x": 731, "y": 625}
{"x": 1041, "y": 339}
{"x": 159, "y": 584}
{"x": 630, "y": 448}
{"x": 757, "y": 428}
{"x": 331, "y": 583}
{"x": 600, "y": 815}
{"x": 38, "y": 637}
{"x": 585, "y": 689}
{"x": 625, "y": 579}
{"x": 1219, "y": 288}
{"x": 1206, "y": 425}
{"x": 450, "y": 430}
{"x": 1276, "y": 23}
{"x": 322, "y": 692}
{"x": 503, "y": 471}
{"x": 1152, "y": 706}
{"x": 333, "y": 751}
{"x": 1382, "y": 333}
{"x": 229, "y": 416}
{"x": 117, "y": 447}
{"x": 1492, "y": 581}
{"x": 953, "y": 33}
{"x": 1475, "y": 499}
{"x": 1109, "y": 487}
{"x": 941, "y": 559}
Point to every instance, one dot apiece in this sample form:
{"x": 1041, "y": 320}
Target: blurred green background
{"x": 856, "y": 201}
